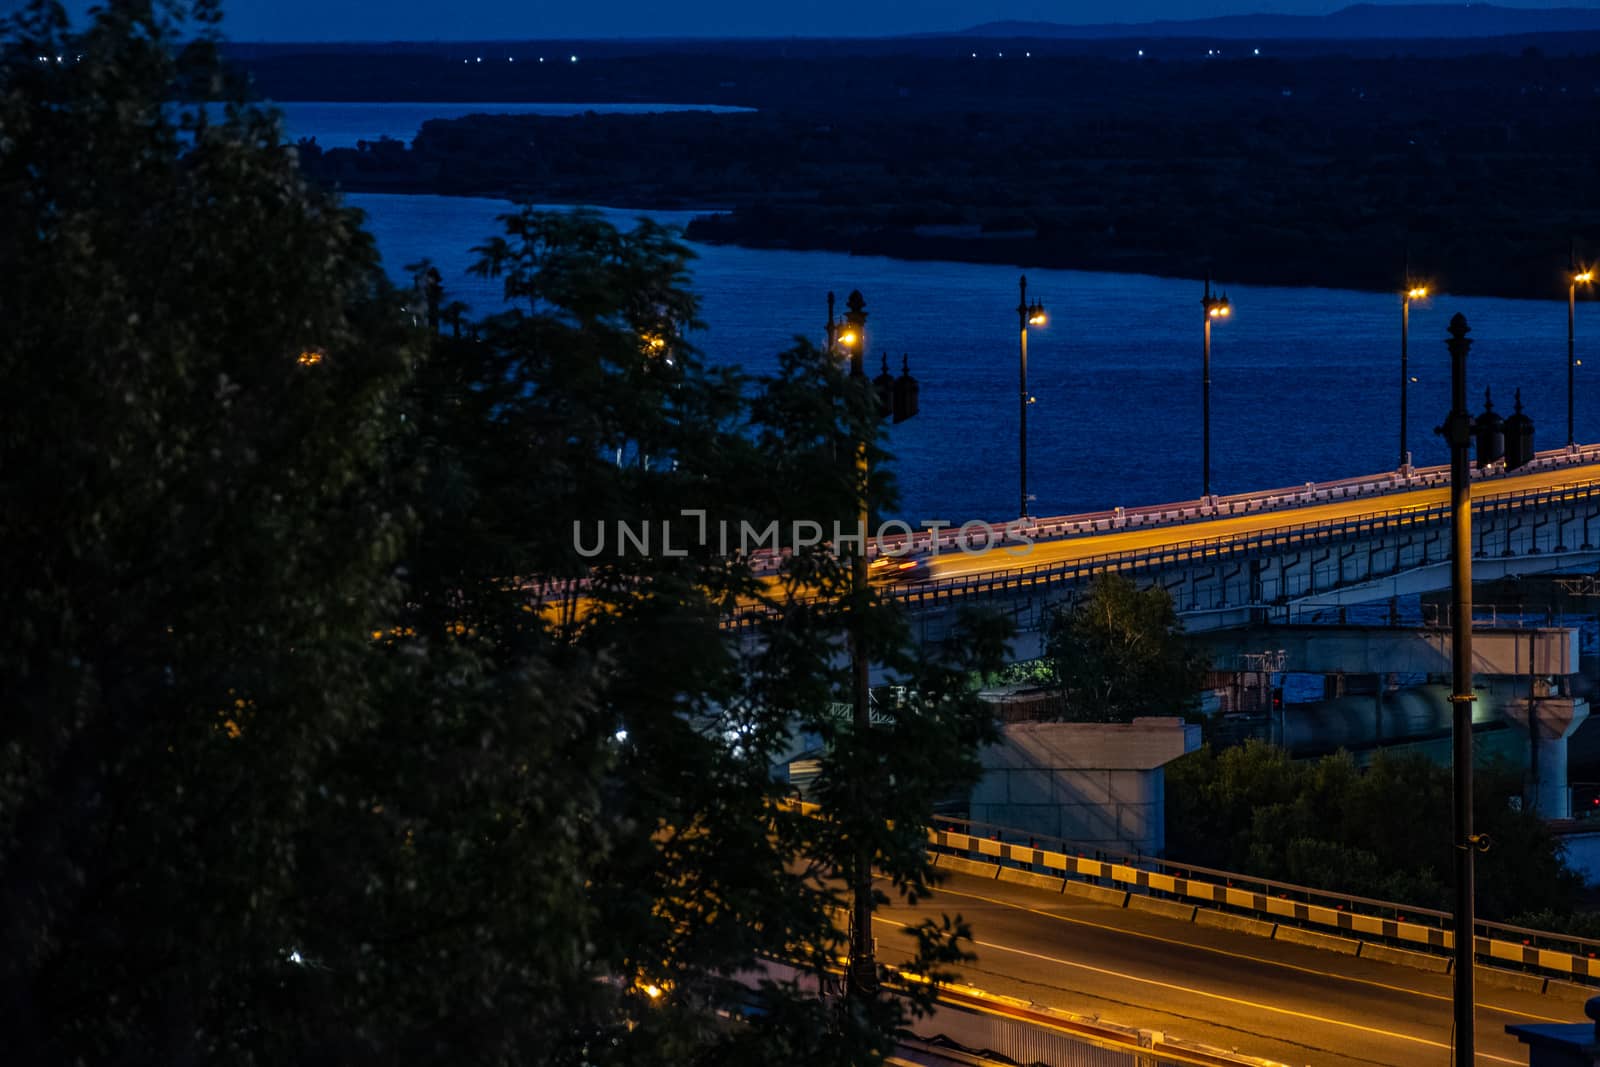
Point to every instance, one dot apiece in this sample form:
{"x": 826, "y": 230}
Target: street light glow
{"x": 1417, "y": 293}
{"x": 848, "y": 337}
{"x": 309, "y": 358}
{"x": 1584, "y": 278}
{"x": 1038, "y": 317}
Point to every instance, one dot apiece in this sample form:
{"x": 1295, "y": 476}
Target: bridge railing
{"x": 1179, "y": 512}
{"x": 1217, "y": 548}
{"x": 1426, "y": 930}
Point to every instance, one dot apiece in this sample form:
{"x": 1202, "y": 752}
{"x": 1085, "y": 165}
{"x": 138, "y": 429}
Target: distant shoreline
{"x": 988, "y": 253}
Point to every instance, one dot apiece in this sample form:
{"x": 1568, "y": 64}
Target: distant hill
{"x": 1389, "y": 21}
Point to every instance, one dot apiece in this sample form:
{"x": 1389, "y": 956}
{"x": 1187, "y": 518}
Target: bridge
{"x": 1252, "y": 558}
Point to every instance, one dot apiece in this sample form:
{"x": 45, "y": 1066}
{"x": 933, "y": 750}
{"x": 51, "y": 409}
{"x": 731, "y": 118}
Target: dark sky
{"x": 421, "y": 20}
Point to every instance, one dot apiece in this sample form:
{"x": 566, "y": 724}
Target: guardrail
{"x": 1216, "y": 548}
{"x": 1419, "y": 929}
{"x": 1057, "y": 527}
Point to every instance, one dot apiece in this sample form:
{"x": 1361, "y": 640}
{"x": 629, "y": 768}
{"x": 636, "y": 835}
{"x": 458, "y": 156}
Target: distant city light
{"x": 1141, "y": 51}
{"x": 1258, "y": 51}
{"x": 574, "y": 59}
{"x": 480, "y": 59}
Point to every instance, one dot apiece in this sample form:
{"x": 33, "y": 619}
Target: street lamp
{"x": 1028, "y": 314}
{"x": 1409, "y": 293}
{"x": 1512, "y": 440}
{"x": 1213, "y": 307}
{"x": 896, "y": 398}
{"x": 1575, "y": 278}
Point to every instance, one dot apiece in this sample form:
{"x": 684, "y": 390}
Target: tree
{"x": 310, "y": 753}
{"x": 1119, "y": 652}
{"x": 204, "y": 369}
{"x": 583, "y": 405}
{"x": 1330, "y": 824}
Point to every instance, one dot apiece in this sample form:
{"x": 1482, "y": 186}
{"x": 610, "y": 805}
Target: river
{"x": 1305, "y": 382}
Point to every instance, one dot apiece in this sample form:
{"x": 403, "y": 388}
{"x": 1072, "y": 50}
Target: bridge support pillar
{"x": 1550, "y": 721}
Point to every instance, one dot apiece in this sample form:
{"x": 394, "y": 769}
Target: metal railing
{"x": 1348, "y": 914}
{"x": 1221, "y": 547}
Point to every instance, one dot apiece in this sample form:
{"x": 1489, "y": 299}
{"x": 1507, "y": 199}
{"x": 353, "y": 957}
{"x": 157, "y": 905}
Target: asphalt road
{"x": 956, "y": 564}
{"x": 1261, "y": 997}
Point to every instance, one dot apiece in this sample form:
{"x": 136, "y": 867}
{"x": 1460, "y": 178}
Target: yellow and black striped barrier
{"x": 1126, "y": 877}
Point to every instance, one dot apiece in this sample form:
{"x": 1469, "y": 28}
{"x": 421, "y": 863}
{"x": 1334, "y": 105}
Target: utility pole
{"x": 1457, "y": 431}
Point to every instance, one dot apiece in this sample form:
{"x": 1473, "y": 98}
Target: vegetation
{"x": 1328, "y": 824}
{"x": 305, "y": 758}
{"x": 1118, "y": 652}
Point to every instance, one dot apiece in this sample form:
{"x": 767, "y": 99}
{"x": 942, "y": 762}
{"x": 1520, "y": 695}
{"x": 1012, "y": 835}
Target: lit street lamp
{"x": 1214, "y": 307}
{"x": 1409, "y": 293}
{"x": 1027, "y": 315}
{"x": 895, "y": 398}
{"x": 1575, "y": 278}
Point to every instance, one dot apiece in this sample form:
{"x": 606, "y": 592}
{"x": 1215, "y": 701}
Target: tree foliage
{"x": 1118, "y": 652}
{"x": 325, "y": 742}
{"x": 1381, "y": 832}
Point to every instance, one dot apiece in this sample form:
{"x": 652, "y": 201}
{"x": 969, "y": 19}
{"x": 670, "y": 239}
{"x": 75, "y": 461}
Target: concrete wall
{"x": 1097, "y": 784}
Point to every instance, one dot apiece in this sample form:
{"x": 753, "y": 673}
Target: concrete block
{"x": 1172, "y": 909}
{"x": 1495, "y": 978}
{"x": 1239, "y": 924}
{"x": 1557, "y": 987}
{"x": 1028, "y": 787}
{"x": 991, "y": 789}
{"x": 1088, "y": 823}
{"x": 966, "y": 866}
{"x": 1136, "y": 823}
{"x": 1082, "y": 787}
{"x": 1421, "y": 961}
{"x": 1031, "y": 878}
{"x": 1098, "y": 893}
{"x": 1294, "y": 935}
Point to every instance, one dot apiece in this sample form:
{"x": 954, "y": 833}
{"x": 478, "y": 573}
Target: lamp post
{"x": 1511, "y": 439}
{"x": 1575, "y": 278}
{"x": 1213, "y": 307}
{"x": 1457, "y": 431}
{"x": 851, "y": 337}
{"x": 1408, "y": 294}
{"x": 1027, "y": 315}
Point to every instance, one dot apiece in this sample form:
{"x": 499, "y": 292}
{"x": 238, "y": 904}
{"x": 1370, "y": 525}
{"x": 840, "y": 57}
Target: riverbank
{"x": 1319, "y": 173}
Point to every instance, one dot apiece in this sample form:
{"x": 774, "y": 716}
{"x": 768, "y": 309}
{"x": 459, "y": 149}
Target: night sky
{"x": 370, "y": 20}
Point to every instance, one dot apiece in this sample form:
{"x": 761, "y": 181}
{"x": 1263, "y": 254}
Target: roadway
{"x": 959, "y": 564}
{"x": 1235, "y": 991}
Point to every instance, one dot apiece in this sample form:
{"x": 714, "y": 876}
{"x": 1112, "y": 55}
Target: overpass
{"x": 1232, "y": 561}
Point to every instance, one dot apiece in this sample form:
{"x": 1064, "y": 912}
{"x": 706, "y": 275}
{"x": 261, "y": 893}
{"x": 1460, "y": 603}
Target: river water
{"x": 1305, "y": 382}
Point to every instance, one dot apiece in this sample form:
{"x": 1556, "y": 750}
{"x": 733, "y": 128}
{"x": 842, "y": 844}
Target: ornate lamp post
{"x": 1511, "y": 439}
{"x": 1575, "y": 278}
{"x": 1409, "y": 293}
{"x": 1213, "y": 307}
{"x": 1027, "y": 315}
{"x": 896, "y": 398}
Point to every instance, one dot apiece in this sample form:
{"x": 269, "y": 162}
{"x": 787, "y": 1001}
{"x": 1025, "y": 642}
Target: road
{"x": 1261, "y": 997}
{"x": 958, "y": 564}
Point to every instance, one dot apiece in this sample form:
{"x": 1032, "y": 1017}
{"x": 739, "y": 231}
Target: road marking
{"x": 1237, "y": 1001}
{"x": 1245, "y": 956}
